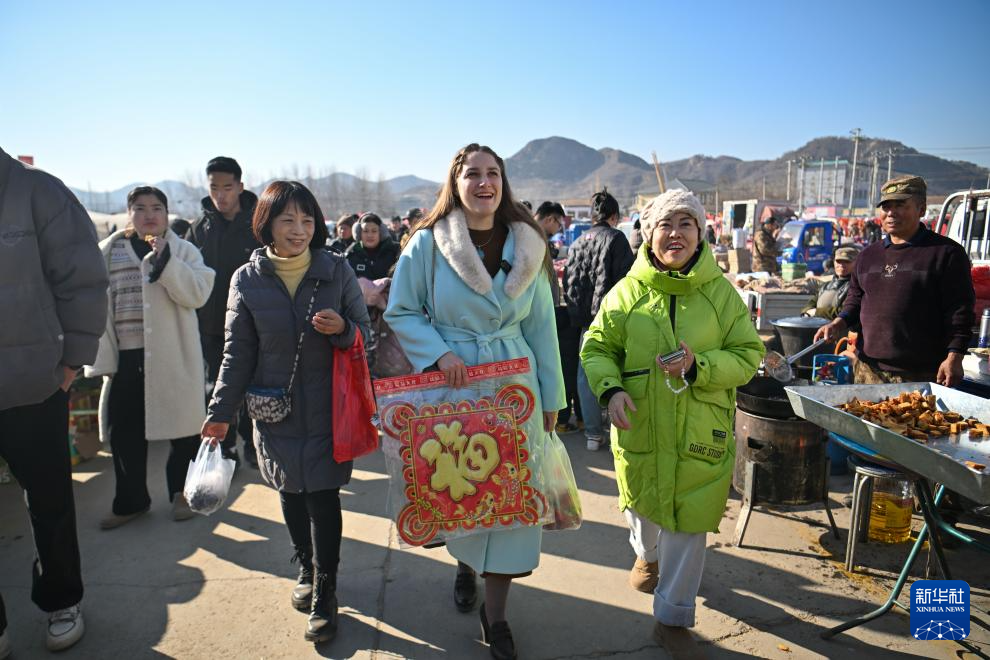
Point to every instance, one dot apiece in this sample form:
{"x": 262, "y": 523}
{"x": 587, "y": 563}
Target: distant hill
{"x": 561, "y": 168}
{"x": 338, "y": 193}
{"x": 542, "y": 169}
{"x": 556, "y": 168}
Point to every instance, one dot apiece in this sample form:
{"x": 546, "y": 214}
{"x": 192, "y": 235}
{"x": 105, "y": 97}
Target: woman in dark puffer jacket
{"x": 268, "y": 310}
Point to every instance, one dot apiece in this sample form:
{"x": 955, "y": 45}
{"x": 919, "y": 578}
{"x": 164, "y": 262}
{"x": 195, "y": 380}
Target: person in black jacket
{"x": 596, "y": 261}
{"x": 373, "y": 254}
{"x": 223, "y": 235}
{"x": 345, "y": 234}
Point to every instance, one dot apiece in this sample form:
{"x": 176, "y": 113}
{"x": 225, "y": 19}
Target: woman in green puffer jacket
{"x": 672, "y": 422}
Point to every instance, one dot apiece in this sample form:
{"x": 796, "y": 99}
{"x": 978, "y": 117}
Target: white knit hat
{"x": 665, "y": 205}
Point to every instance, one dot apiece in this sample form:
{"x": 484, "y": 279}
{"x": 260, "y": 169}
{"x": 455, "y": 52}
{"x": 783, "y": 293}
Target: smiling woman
{"x": 283, "y": 349}
{"x": 667, "y": 349}
{"x": 479, "y": 264}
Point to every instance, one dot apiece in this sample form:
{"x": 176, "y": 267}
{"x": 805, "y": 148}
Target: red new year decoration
{"x": 464, "y": 463}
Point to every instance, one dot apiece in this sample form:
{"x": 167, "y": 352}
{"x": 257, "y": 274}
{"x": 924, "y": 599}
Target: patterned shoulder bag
{"x": 274, "y": 404}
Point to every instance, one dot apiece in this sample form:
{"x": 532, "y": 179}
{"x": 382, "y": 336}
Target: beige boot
{"x": 644, "y": 576}
{"x": 678, "y": 642}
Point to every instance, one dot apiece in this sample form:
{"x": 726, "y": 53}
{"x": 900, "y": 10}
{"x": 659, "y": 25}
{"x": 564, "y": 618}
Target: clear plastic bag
{"x": 560, "y": 486}
{"x": 463, "y": 461}
{"x": 208, "y": 480}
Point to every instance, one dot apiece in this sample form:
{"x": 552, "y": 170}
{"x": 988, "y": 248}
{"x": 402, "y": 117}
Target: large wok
{"x": 765, "y": 396}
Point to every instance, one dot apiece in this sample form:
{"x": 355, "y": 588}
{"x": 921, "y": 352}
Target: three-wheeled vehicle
{"x": 810, "y": 242}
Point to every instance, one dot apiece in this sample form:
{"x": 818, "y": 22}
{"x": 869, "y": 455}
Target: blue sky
{"x": 109, "y": 93}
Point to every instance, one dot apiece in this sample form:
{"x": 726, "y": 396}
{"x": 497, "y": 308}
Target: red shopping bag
{"x": 354, "y": 432}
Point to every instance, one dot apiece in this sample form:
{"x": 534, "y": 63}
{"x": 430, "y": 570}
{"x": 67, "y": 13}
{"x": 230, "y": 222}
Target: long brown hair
{"x": 508, "y": 211}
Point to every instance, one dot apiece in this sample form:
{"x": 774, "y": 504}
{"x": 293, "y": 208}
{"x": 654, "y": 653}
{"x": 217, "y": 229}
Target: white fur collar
{"x": 454, "y": 242}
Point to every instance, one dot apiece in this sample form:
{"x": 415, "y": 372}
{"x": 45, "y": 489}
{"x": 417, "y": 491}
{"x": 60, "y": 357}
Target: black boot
{"x": 323, "y": 617}
{"x": 465, "y": 588}
{"x": 302, "y": 594}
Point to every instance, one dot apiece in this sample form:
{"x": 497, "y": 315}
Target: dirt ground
{"x": 218, "y": 586}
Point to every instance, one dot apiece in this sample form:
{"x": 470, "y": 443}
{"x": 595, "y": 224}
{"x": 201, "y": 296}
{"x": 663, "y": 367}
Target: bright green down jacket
{"x": 675, "y": 464}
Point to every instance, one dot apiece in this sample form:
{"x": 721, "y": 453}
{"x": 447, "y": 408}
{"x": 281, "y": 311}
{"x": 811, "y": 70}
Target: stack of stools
{"x": 859, "y": 526}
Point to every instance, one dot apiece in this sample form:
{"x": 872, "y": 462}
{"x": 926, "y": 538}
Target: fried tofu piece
{"x": 916, "y": 416}
{"x": 973, "y": 465}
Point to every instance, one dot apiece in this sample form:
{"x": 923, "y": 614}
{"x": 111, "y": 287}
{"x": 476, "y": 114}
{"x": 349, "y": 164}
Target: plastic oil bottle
{"x": 890, "y": 511}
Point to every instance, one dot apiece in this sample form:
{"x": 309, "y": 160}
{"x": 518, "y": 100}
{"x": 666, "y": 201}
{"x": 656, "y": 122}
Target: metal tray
{"x": 940, "y": 459}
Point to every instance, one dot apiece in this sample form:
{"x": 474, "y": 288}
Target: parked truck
{"x": 963, "y": 218}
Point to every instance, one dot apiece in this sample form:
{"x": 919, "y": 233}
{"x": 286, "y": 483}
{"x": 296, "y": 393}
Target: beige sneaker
{"x": 180, "y": 508}
{"x": 678, "y": 642}
{"x": 65, "y": 628}
{"x": 113, "y": 520}
{"x": 644, "y": 576}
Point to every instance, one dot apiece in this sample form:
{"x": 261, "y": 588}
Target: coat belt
{"x": 481, "y": 339}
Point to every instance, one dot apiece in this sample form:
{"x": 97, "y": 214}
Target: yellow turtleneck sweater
{"x": 291, "y": 270}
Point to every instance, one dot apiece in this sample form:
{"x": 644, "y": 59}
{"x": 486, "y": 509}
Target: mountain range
{"x": 557, "y": 168}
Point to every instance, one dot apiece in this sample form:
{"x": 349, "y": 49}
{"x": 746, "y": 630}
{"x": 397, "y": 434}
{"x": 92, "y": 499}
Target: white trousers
{"x": 681, "y": 558}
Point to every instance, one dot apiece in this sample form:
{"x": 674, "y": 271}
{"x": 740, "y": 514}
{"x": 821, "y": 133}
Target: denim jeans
{"x": 591, "y": 412}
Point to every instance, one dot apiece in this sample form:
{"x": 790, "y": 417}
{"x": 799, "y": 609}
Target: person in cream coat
{"x": 150, "y": 354}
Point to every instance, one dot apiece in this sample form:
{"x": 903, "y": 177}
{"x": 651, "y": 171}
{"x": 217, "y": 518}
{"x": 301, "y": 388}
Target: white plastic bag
{"x": 560, "y": 487}
{"x": 208, "y": 480}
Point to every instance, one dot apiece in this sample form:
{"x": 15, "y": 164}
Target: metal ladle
{"x": 779, "y": 366}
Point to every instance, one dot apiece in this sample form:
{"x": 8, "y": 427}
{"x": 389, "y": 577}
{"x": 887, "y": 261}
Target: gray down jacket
{"x": 262, "y": 329}
{"x": 53, "y": 284}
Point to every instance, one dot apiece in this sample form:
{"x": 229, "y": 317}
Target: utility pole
{"x": 856, "y": 133}
{"x": 789, "y": 181}
{"x": 835, "y": 180}
{"x": 800, "y": 185}
{"x": 764, "y": 186}
{"x": 890, "y": 163}
{"x": 821, "y": 179}
{"x": 873, "y": 179}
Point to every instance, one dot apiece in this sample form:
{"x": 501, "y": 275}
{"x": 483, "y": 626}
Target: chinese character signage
{"x": 940, "y": 609}
{"x": 462, "y": 458}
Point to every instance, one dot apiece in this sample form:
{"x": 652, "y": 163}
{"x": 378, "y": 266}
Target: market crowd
{"x": 228, "y": 328}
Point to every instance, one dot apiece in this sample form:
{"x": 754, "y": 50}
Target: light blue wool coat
{"x": 481, "y": 320}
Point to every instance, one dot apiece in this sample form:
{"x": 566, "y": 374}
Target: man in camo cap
{"x": 912, "y": 293}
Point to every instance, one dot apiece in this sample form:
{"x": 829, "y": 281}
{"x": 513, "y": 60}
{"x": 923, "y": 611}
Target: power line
{"x": 983, "y": 148}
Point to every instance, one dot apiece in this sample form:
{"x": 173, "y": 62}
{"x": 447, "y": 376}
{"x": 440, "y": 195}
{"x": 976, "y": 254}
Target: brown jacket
{"x": 765, "y": 252}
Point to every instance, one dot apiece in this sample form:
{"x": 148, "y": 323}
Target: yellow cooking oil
{"x": 890, "y": 511}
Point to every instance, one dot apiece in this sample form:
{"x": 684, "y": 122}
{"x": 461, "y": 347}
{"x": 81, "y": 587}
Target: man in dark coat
{"x": 596, "y": 261}
{"x": 53, "y": 283}
{"x": 223, "y": 235}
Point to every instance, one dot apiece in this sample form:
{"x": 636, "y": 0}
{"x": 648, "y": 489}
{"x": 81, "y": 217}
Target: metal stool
{"x": 864, "y": 473}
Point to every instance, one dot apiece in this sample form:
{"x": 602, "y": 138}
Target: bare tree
{"x": 384, "y": 201}
{"x": 362, "y": 190}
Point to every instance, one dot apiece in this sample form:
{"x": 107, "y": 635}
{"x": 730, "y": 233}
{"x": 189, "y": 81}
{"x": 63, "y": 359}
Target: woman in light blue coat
{"x": 479, "y": 265}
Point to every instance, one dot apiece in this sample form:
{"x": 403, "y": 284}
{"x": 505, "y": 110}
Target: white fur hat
{"x": 666, "y": 205}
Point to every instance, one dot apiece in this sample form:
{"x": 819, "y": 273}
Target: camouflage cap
{"x": 903, "y": 187}
{"x": 846, "y": 254}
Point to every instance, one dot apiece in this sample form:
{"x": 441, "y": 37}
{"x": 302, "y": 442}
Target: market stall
{"x": 959, "y": 456}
